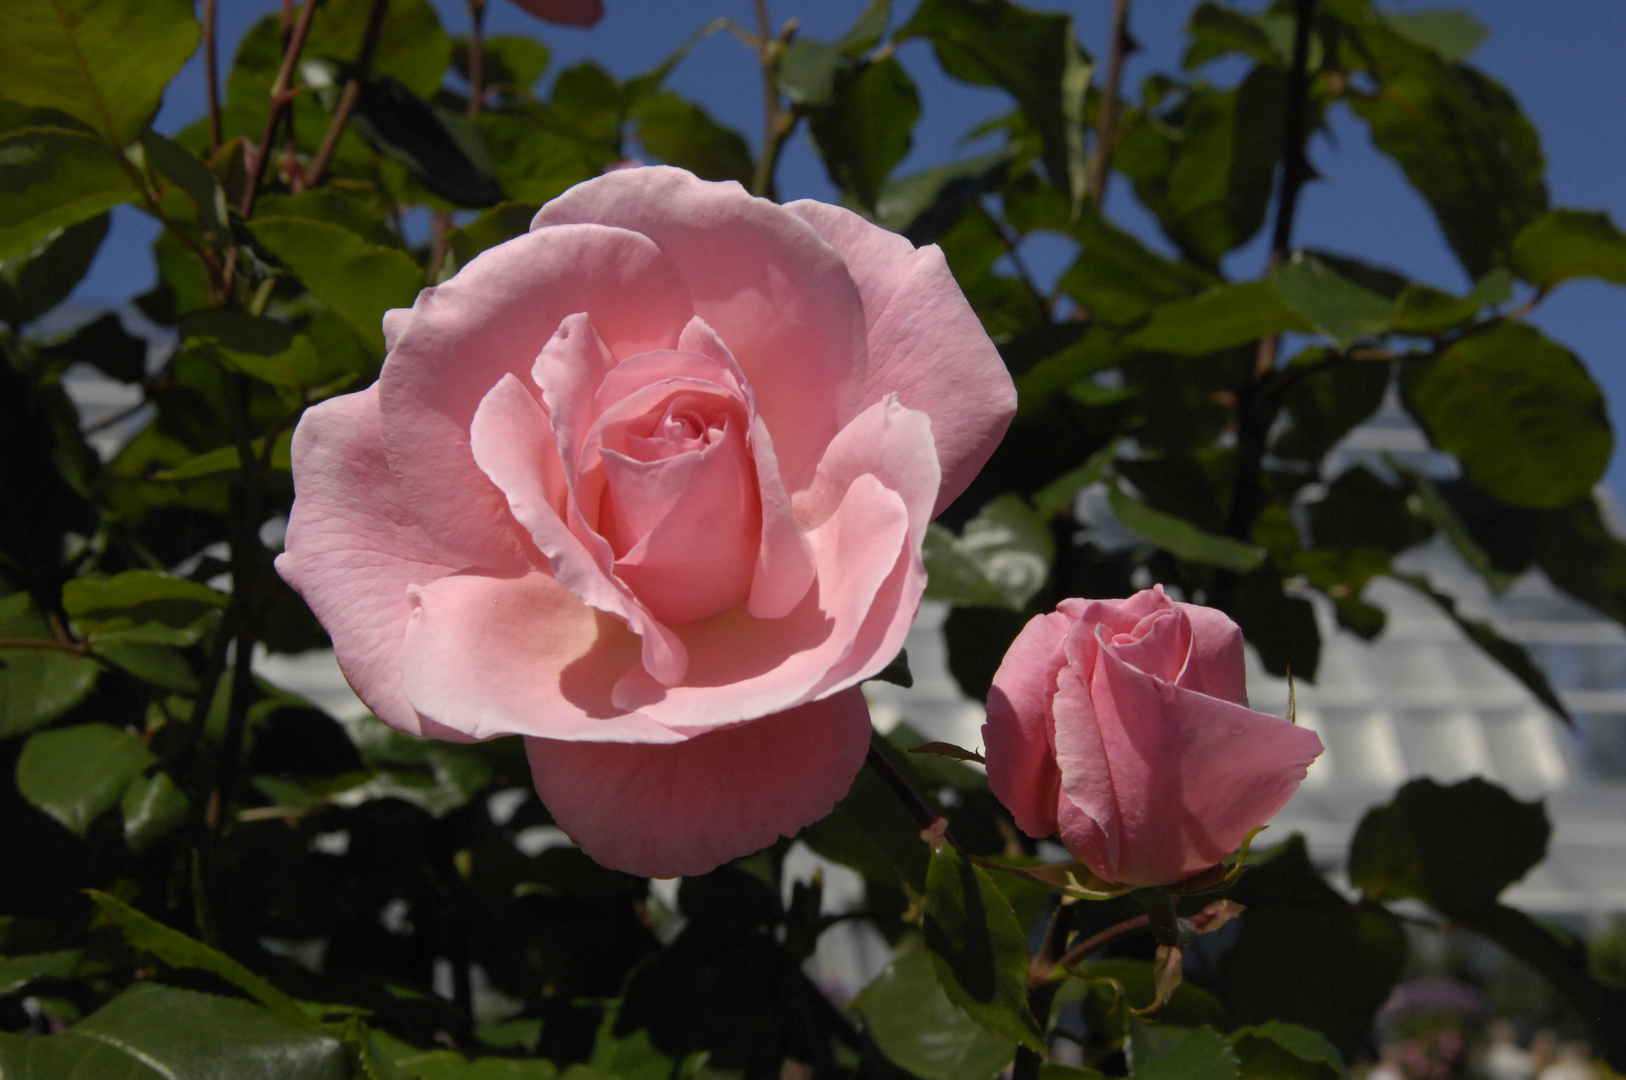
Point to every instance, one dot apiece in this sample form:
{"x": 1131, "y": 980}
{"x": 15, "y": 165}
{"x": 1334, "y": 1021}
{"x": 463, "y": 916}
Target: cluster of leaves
{"x": 201, "y": 865}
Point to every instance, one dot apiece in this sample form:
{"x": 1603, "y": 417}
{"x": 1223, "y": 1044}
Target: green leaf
{"x": 195, "y": 180}
{"x": 1520, "y": 412}
{"x": 412, "y": 48}
{"x": 925, "y": 205}
{"x": 508, "y": 64}
{"x": 1035, "y": 57}
{"x": 1001, "y": 558}
{"x": 497, "y": 225}
{"x": 152, "y": 806}
{"x": 532, "y": 164}
{"x": 17, "y": 972}
{"x": 140, "y": 595}
{"x": 1219, "y": 318}
{"x": 1276, "y": 1049}
{"x": 1563, "y": 244}
{"x": 865, "y": 129}
{"x": 1581, "y": 554}
{"x": 224, "y": 459}
{"x": 36, "y": 685}
{"x": 1180, "y": 537}
{"x": 261, "y": 348}
{"x": 866, "y": 31}
{"x": 443, "y": 150}
{"x": 1453, "y": 847}
{"x": 187, "y": 1034}
{"x": 1118, "y": 278}
{"x": 1511, "y": 655}
{"x": 978, "y": 947}
{"x": 67, "y": 1057}
{"x": 919, "y": 1029}
{"x": 40, "y": 278}
{"x": 358, "y": 280}
{"x": 1451, "y": 32}
{"x": 1328, "y": 404}
{"x": 104, "y": 344}
{"x": 1421, "y": 309}
{"x": 1215, "y": 30}
{"x": 1337, "y": 307}
{"x": 1161, "y": 1052}
{"x": 1361, "y": 510}
{"x": 1460, "y": 139}
{"x": 870, "y": 831}
{"x": 1072, "y": 879}
{"x": 681, "y": 133}
{"x": 807, "y": 72}
{"x": 105, "y": 62}
{"x": 53, "y": 179}
{"x": 77, "y": 774}
{"x": 177, "y": 950}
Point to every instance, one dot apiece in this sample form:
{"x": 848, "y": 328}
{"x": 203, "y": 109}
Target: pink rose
{"x": 648, "y": 485}
{"x": 1123, "y": 725}
{"x": 568, "y": 12}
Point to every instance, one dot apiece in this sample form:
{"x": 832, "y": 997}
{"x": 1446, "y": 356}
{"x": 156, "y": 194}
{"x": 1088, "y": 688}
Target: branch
{"x": 477, "y": 56}
{"x": 76, "y": 648}
{"x": 778, "y": 122}
{"x": 1106, "y": 134}
{"x": 211, "y": 75}
{"x": 279, "y": 98}
{"x": 347, "y": 99}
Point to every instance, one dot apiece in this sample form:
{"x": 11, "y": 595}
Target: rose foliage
{"x": 615, "y": 490}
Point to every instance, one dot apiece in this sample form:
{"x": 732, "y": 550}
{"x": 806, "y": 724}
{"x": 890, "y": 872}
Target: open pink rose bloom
{"x": 1124, "y": 726}
{"x": 648, "y": 486}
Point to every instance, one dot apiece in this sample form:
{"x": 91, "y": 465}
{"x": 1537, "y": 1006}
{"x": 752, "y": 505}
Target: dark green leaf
{"x": 104, "y": 344}
{"x": 1451, "y": 32}
{"x": 495, "y": 226}
{"x": 358, "y": 280}
{"x": 1512, "y": 656}
{"x": 1161, "y": 1052}
{"x": 1453, "y": 847}
{"x": 140, "y": 595}
{"x": 412, "y": 48}
{"x": 188, "y": 1034}
{"x": 1460, "y": 139}
{"x": 1522, "y": 414}
{"x": 1216, "y": 30}
{"x": 897, "y": 672}
{"x": 53, "y": 179}
{"x": 978, "y": 947}
{"x": 1281, "y": 626}
{"x": 36, "y": 685}
{"x": 1337, "y": 307}
{"x": 534, "y": 165}
{"x": 1001, "y": 558}
{"x": 224, "y": 460}
{"x": 37, "y": 280}
{"x": 807, "y": 73}
{"x": 177, "y": 950}
{"x": 1421, "y": 309}
{"x": 1327, "y": 404}
{"x": 444, "y": 151}
{"x": 1581, "y": 555}
{"x": 1563, "y": 244}
{"x": 1286, "y": 1052}
{"x": 105, "y": 62}
{"x": 1180, "y": 537}
{"x": 1448, "y": 519}
{"x": 17, "y": 972}
{"x": 925, "y": 205}
{"x": 1224, "y": 316}
{"x": 366, "y": 220}
{"x": 681, "y": 133}
{"x": 195, "y": 180}
{"x": 67, "y": 1057}
{"x": 1035, "y": 57}
{"x": 509, "y": 64}
{"x": 919, "y": 1029}
{"x": 1118, "y": 279}
{"x": 870, "y": 831}
{"x": 152, "y": 806}
{"x": 1360, "y": 510}
{"x": 865, "y": 129}
{"x": 77, "y": 774}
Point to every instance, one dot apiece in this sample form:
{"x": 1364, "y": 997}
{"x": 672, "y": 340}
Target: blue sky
{"x": 1561, "y": 59}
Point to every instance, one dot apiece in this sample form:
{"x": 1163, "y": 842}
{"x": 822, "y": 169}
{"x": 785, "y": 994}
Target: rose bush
{"x": 648, "y": 486}
{"x": 1123, "y": 726}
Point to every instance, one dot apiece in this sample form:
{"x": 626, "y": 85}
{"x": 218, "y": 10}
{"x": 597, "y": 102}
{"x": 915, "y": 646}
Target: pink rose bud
{"x": 1123, "y": 726}
{"x": 566, "y": 12}
{"x": 648, "y": 486}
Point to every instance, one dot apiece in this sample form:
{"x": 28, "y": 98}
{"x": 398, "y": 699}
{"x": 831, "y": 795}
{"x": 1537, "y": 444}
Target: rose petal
{"x": 493, "y": 318}
{"x": 1216, "y": 666}
{"x": 1022, "y": 771}
{"x": 926, "y": 344}
{"x": 1189, "y": 774}
{"x": 740, "y": 666}
{"x": 774, "y": 291}
{"x": 500, "y": 656}
{"x": 514, "y": 447}
{"x": 353, "y": 548}
{"x": 666, "y": 811}
{"x": 1159, "y": 645}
